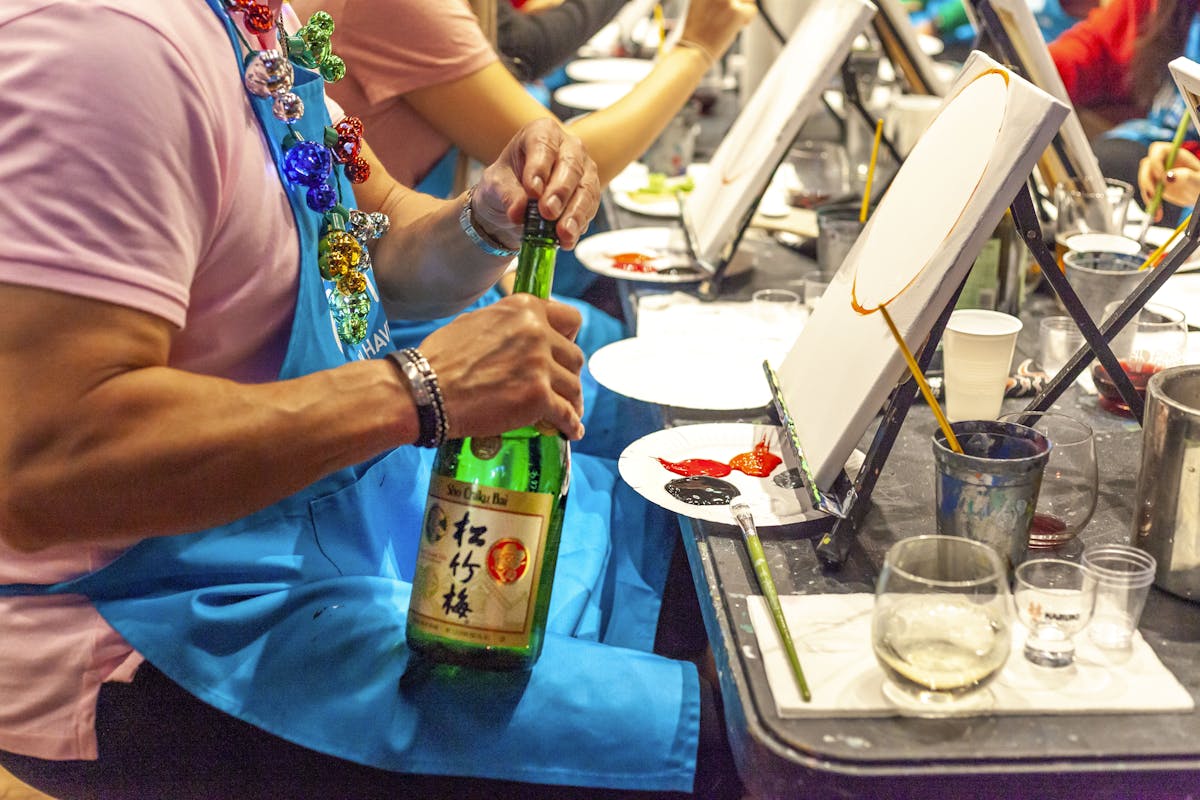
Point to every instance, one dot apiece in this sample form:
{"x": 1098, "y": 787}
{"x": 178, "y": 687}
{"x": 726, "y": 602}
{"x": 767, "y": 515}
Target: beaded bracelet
{"x": 423, "y": 383}
{"x": 466, "y": 220}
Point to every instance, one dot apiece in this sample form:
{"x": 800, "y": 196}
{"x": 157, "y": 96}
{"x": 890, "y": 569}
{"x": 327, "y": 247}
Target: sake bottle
{"x": 489, "y": 538}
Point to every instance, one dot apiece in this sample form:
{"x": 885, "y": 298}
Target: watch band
{"x": 482, "y": 240}
{"x": 426, "y": 394}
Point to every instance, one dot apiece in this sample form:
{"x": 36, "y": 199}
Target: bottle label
{"x": 479, "y": 563}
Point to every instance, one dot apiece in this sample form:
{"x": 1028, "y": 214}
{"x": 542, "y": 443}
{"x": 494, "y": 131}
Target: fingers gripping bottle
{"x": 489, "y": 539}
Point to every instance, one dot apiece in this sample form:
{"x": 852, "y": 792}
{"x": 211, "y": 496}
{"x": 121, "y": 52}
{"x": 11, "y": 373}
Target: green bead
{"x": 321, "y": 21}
{"x": 353, "y": 330}
{"x": 333, "y": 69}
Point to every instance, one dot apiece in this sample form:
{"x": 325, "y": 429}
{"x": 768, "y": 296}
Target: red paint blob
{"x": 697, "y": 466}
{"x": 758, "y": 463}
{"x": 633, "y": 262}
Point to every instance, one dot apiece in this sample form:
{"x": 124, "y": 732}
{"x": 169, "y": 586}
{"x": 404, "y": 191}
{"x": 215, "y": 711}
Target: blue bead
{"x": 307, "y": 164}
{"x": 321, "y": 198}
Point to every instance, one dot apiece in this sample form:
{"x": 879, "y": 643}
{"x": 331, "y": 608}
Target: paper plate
{"x": 708, "y": 374}
{"x": 591, "y": 96}
{"x": 771, "y": 503}
{"x": 1182, "y": 292}
{"x": 626, "y": 185}
{"x": 591, "y": 70}
{"x": 665, "y": 244}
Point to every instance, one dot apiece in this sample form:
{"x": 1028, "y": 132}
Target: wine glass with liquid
{"x": 820, "y": 173}
{"x": 1153, "y": 340}
{"x": 1070, "y": 481}
{"x": 941, "y": 625}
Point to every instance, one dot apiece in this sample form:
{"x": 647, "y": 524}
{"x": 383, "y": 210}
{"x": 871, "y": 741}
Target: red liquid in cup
{"x": 1110, "y": 399}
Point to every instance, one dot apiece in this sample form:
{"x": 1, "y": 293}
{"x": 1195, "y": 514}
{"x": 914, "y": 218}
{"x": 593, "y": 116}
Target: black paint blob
{"x": 702, "y": 490}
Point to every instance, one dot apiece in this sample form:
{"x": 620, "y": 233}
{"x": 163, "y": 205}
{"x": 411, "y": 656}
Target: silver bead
{"x": 269, "y": 74}
{"x": 380, "y": 222}
{"x": 288, "y": 107}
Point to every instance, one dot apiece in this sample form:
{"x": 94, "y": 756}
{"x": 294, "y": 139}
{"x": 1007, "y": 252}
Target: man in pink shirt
{"x": 201, "y": 468}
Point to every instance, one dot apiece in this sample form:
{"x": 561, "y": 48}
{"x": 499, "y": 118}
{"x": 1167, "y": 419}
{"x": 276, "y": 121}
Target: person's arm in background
{"x": 535, "y": 41}
{"x": 480, "y": 112}
{"x": 1093, "y": 55}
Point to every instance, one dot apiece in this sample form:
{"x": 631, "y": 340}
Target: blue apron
{"x": 292, "y": 619}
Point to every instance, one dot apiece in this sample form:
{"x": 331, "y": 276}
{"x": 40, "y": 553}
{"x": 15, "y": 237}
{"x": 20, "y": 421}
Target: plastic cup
{"x": 1123, "y": 577}
{"x": 815, "y": 284}
{"x": 1101, "y": 278}
{"x": 779, "y": 312}
{"x": 978, "y": 349}
{"x": 838, "y": 228}
{"x": 1059, "y": 338}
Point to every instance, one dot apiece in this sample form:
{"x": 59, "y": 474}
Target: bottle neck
{"x": 535, "y": 261}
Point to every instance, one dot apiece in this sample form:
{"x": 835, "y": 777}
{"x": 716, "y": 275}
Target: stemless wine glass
{"x": 822, "y": 173}
{"x": 1155, "y": 339}
{"x": 1070, "y": 481}
{"x": 1054, "y": 600}
{"x": 940, "y": 627}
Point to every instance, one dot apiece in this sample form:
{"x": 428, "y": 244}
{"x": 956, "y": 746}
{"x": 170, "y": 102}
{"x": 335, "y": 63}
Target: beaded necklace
{"x": 309, "y": 166}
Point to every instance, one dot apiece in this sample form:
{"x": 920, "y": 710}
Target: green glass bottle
{"x": 489, "y": 542}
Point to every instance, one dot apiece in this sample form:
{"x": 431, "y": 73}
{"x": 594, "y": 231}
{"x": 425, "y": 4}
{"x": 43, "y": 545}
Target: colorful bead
{"x": 352, "y": 282}
{"x": 380, "y": 222}
{"x": 321, "y": 198}
{"x": 321, "y": 21}
{"x": 358, "y": 171}
{"x": 333, "y": 69}
{"x": 353, "y": 305}
{"x": 349, "y": 126}
{"x": 258, "y": 18}
{"x": 333, "y": 265}
{"x": 268, "y": 74}
{"x": 288, "y": 107}
{"x": 337, "y": 252}
{"x": 307, "y": 164}
{"x": 353, "y": 330}
{"x": 346, "y": 149}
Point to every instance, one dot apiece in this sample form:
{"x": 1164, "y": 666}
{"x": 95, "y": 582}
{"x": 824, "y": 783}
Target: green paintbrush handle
{"x": 758, "y": 559}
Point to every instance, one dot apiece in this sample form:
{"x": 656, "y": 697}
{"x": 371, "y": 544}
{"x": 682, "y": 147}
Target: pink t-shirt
{"x": 392, "y": 48}
{"x": 134, "y": 172}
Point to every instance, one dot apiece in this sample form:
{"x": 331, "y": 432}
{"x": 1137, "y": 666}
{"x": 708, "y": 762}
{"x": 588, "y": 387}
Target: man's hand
{"x": 511, "y": 364}
{"x": 546, "y": 162}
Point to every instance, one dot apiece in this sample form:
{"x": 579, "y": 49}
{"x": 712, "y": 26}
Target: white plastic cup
{"x": 1058, "y": 339}
{"x": 978, "y": 349}
{"x": 1123, "y": 577}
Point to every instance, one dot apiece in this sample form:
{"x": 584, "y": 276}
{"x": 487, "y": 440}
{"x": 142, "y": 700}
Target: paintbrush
{"x": 745, "y": 519}
{"x": 1156, "y": 201}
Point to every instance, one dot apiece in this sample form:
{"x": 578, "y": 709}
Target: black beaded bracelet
{"x": 422, "y": 382}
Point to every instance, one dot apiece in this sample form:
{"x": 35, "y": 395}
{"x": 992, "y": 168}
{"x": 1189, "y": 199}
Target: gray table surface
{"x": 1035, "y": 756}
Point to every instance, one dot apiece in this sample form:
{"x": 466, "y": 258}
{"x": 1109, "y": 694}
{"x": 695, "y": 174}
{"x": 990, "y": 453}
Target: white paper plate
{"x": 708, "y": 374}
{"x": 591, "y": 96}
{"x": 591, "y": 70}
{"x": 1182, "y": 292}
{"x": 634, "y": 177}
{"x": 596, "y": 253}
{"x": 772, "y": 504}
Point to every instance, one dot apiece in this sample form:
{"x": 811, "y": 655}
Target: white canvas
{"x": 1187, "y": 77}
{"x": 743, "y": 164}
{"x": 916, "y": 249}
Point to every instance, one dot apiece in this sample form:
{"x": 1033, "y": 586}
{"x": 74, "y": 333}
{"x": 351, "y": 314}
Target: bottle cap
{"x": 536, "y": 225}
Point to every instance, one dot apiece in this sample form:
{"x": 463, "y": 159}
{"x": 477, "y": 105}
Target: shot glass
{"x": 978, "y": 350}
{"x": 1059, "y": 338}
{"x": 1123, "y": 577}
{"x": 779, "y": 314}
{"x": 1054, "y": 600}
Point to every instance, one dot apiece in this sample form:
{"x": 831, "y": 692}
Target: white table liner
{"x": 832, "y": 633}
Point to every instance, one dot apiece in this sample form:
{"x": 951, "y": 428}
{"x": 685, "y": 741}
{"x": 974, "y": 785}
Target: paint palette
{"x": 774, "y": 503}
{"x": 663, "y": 250}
